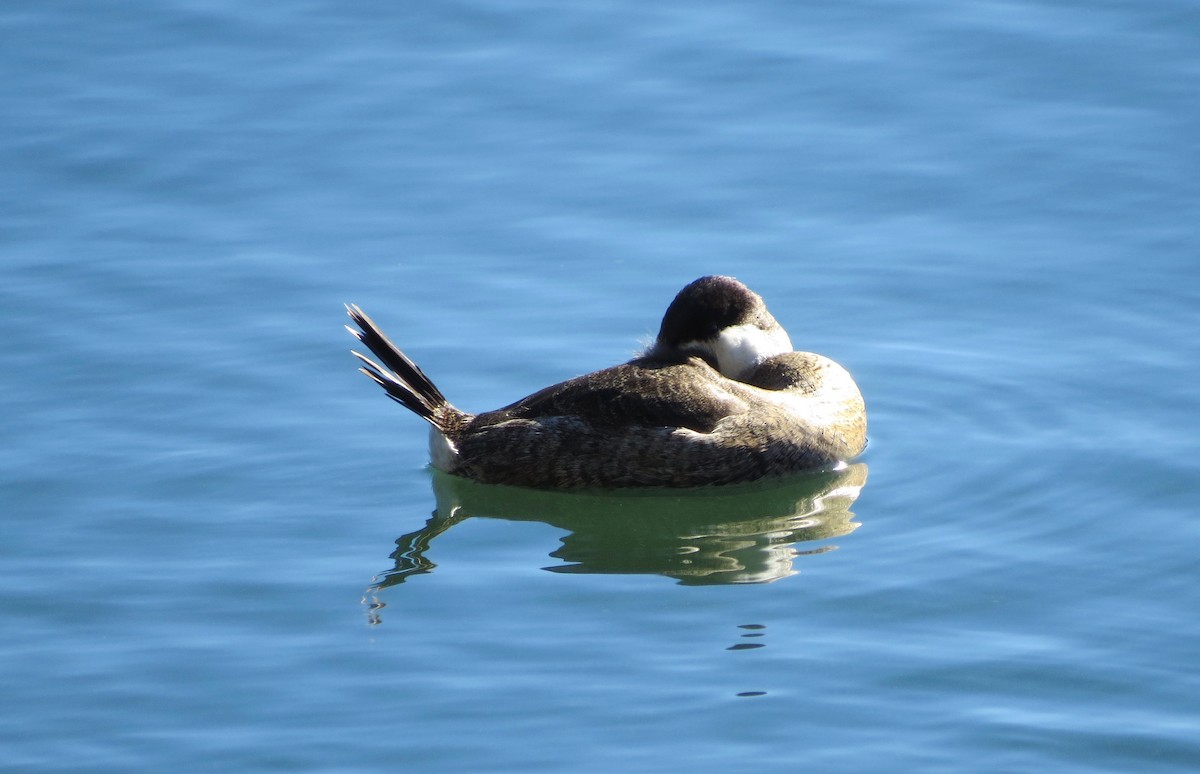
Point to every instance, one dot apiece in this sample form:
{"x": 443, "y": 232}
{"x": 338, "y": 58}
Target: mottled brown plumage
{"x": 718, "y": 399}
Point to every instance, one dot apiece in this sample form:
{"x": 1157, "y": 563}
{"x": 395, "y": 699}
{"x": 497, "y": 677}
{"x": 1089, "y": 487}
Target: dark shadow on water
{"x": 719, "y": 535}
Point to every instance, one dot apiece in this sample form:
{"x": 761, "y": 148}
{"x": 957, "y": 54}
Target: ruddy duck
{"x": 718, "y": 398}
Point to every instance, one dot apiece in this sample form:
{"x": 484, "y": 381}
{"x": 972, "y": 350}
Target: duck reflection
{"x": 732, "y": 534}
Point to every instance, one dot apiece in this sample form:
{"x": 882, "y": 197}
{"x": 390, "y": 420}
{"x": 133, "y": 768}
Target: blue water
{"x": 222, "y": 549}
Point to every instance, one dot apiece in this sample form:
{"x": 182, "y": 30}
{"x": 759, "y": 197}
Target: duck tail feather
{"x": 400, "y": 377}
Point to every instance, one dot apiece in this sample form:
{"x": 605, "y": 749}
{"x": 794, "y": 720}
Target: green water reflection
{"x": 717, "y": 535}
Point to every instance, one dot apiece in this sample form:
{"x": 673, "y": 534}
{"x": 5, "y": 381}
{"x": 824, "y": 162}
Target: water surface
{"x": 222, "y": 547}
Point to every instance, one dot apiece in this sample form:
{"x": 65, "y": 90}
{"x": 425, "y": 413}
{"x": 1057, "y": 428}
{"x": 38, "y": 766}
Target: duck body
{"x": 719, "y": 398}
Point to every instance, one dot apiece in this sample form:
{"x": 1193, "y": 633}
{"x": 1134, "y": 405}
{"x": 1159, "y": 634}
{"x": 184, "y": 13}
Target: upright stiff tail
{"x": 403, "y": 381}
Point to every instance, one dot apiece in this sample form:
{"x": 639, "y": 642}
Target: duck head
{"x": 723, "y": 321}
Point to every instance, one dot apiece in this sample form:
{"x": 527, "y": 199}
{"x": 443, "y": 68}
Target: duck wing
{"x": 648, "y": 393}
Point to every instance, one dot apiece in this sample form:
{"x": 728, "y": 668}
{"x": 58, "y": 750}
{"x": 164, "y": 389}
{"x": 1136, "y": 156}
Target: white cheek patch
{"x": 741, "y": 347}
